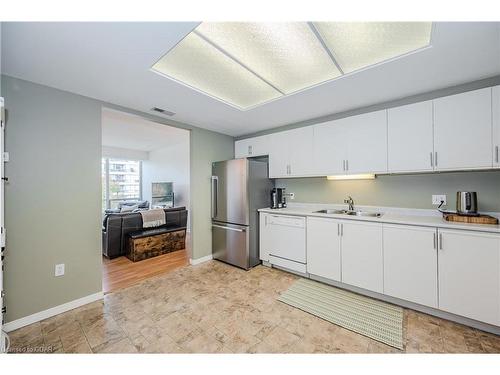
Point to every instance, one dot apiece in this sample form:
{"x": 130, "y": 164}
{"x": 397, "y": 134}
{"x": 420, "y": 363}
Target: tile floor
{"x": 216, "y": 308}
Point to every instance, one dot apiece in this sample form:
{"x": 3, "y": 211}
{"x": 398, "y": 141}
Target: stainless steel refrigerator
{"x": 239, "y": 188}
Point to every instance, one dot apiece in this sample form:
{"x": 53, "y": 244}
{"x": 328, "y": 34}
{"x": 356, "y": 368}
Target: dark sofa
{"x": 117, "y": 227}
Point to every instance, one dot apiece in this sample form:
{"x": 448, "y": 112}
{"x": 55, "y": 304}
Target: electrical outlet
{"x": 291, "y": 196}
{"x": 59, "y": 271}
{"x": 436, "y": 199}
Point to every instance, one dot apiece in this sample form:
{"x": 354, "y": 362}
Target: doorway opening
{"x": 145, "y": 199}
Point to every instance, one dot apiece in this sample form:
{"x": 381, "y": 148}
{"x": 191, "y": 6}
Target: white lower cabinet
{"x": 457, "y": 271}
{"x": 410, "y": 264}
{"x": 362, "y": 255}
{"x": 323, "y": 248}
{"x": 263, "y": 237}
{"x": 469, "y": 274}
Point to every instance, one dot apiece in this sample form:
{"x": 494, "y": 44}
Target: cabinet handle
{"x": 441, "y": 241}
{"x": 436, "y": 159}
{"x": 434, "y": 240}
{"x": 343, "y": 165}
{"x": 289, "y": 169}
{"x": 338, "y": 229}
{"x": 249, "y": 150}
{"x": 347, "y": 165}
{"x": 432, "y": 162}
{"x": 342, "y": 230}
{"x": 496, "y": 154}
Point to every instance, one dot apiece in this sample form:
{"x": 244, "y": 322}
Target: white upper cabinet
{"x": 462, "y": 131}
{"x": 356, "y": 144}
{"x": 410, "y": 138}
{"x": 469, "y": 274}
{"x": 496, "y": 126}
{"x": 291, "y": 153}
{"x": 362, "y": 255}
{"x": 367, "y": 143}
{"x": 323, "y": 248}
{"x": 410, "y": 264}
{"x": 249, "y": 147}
{"x": 330, "y": 148}
{"x": 458, "y": 132}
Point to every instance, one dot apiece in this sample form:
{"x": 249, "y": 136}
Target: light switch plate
{"x": 59, "y": 270}
{"x": 436, "y": 199}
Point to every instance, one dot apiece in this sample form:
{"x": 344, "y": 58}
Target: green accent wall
{"x": 52, "y": 200}
{"x": 410, "y": 191}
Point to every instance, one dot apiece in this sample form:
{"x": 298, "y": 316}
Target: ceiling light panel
{"x": 198, "y": 64}
{"x": 289, "y": 56}
{"x": 358, "y": 45}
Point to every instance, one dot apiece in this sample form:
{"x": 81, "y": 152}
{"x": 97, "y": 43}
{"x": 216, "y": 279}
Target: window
{"x": 121, "y": 181}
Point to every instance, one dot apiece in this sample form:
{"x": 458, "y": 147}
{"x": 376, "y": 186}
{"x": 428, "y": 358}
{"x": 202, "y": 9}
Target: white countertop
{"x": 391, "y": 215}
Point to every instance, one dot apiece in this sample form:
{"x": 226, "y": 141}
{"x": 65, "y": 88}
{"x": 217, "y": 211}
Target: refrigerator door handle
{"x": 229, "y": 228}
{"x": 215, "y": 195}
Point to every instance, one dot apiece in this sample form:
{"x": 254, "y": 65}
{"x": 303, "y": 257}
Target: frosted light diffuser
{"x": 249, "y": 64}
{"x": 356, "y": 45}
{"x": 198, "y": 64}
{"x": 287, "y": 55}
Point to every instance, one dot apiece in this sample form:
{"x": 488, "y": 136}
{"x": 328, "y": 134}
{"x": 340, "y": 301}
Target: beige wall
{"x": 53, "y": 198}
{"x": 413, "y": 191}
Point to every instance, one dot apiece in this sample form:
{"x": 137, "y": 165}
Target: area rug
{"x": 364, "y": 315}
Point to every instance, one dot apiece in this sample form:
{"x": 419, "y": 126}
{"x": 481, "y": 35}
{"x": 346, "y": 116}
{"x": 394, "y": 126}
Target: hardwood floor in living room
{"x": 121, "y": 272}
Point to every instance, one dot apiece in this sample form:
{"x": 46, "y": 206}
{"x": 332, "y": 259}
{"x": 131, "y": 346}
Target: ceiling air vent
{"x": 162, "y": 111}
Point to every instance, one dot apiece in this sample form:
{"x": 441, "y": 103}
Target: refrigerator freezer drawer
{"x": 230, "y": 244}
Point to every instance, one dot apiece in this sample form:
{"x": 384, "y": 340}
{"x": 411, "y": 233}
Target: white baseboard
{"x": 194, "y": 262}
{"x": 33, "y": 318}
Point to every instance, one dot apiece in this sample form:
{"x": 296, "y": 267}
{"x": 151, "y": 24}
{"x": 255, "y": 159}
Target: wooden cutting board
{"x": 481, "y": 219}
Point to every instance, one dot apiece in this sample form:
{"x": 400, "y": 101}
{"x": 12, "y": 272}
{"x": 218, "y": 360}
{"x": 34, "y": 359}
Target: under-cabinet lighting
{"x": 365, "y": 176}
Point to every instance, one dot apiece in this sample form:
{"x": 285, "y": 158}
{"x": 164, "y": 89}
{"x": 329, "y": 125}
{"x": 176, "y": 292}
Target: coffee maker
{"x": 278, "y": 199}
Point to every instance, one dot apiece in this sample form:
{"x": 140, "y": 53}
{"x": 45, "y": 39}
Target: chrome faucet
{"x": 350, "y": 202}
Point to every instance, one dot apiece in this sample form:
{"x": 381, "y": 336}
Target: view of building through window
{"x": 121, "y": 180}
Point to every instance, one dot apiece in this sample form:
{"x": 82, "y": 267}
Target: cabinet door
{"x": 496, "y": 126}
{"x": 469, "y": 277}
{"x": 410, "y": 263}
{"x": 242, "y": 148}
{"x": 278, "y": 155}
{"x": 410, "y": 138}
{"x": 263, "y": 237}
{"x": 362, "y": 259}
{"x": 329, "y": 148}
{"x": 462, "y": 131}
{"x": 249, "y": 147}
{"x": 323, "y": 248}
{"x": 367, "y": 143}
{"x": 300, "y": 151}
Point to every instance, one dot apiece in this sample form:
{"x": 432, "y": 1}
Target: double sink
{"x": 351, "y": 213}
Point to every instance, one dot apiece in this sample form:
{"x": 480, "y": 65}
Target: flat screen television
{"x": 162, "y": 194}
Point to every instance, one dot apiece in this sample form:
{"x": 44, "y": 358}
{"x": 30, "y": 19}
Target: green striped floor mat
{"x": 367, "y": 316}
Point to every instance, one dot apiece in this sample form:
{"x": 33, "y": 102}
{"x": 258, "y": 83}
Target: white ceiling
{"x": 111, "y": 62}
{"x": 134, "y": 133}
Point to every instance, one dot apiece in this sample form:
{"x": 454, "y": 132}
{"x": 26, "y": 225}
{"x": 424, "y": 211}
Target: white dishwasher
{"x": 286, "y": 241}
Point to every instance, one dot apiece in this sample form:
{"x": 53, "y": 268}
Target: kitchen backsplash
{"x": 412, "y": 191}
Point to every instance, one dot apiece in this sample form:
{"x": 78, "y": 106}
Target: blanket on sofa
{"x": 153, "y": 218}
